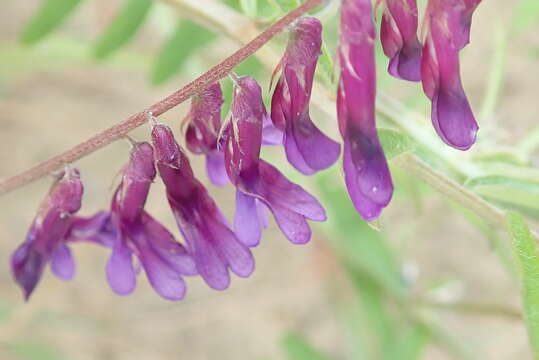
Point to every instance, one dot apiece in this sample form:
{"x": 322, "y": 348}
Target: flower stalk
{"x": 119, "y": 130}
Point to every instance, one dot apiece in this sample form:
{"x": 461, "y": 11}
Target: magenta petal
{"x": 246, "y": 222}
{"x": 398, "y": 35}
{"x": 215, "y": 167}
{"x": 120, "y": 271}
{"x": 97, "y": 229}
{"x": 62, "y": 263}
{"x": 209, "y": 264}
{"x": 270, "y": 134}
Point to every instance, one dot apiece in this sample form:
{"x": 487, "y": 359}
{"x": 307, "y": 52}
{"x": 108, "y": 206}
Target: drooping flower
{"x": 203, "y": 129}
{"x": 366, "y": 172}
{"x": 97, "y": 229}
{"x": 448, "y": 23}
{"x": 398, "y": 34}
{"x": 46, "y": 239}
{"x": 258, "y": 181}
{"x": 213, "y": 245}
{"x": 307, "y": 148}
{"x": 164, "y": 259}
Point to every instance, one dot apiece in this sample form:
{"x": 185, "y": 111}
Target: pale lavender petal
{"x": 215, "y": 167}
{"x": 237, "y": 256}
{"x": 262, "y": 212}
{"x": 292, "y": 224}
{"x": 246, "y": 222}
{"x": 120, "y": 272}
{"x": 62, "y": 263}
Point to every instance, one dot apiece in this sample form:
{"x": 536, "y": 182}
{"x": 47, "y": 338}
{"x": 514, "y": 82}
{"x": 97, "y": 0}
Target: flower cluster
{"x": 213, "y": 248}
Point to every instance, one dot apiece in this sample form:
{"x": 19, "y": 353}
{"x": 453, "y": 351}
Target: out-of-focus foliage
{"x": 181, "y": 44}
{"x": 123, "y": 27}
{"x": 525, "y": 248}
{"x": 50, "y": 15}
{"x": 297, "y": 347}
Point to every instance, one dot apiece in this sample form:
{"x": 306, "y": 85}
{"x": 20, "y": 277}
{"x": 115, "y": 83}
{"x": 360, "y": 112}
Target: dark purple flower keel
{"x": 257, "y": 181}
{"x": 47, "y": 236}
{"x": 214, "y": 246}
{"x": 307, "y": 148}
{"x": 367, "y": 176}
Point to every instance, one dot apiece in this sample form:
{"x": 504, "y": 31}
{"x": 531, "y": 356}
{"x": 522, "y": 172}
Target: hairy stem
{"x": 121, "y": 129}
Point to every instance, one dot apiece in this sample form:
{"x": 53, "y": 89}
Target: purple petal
{"x": 165, "y": 280}
{"x": 97, "y": 229}
{"x": 163, "y": 243}
{"x": 27, "y": 266}
{"x": 246, "y": 222}
{"x": 120, "y": 271}
{"x": 307, "y": 148}
{"x": 277, "y": 189}
{"x": 237, "y": 256}
{"x": 62, "y": 263}
{"x": 215, "y": 167}
{"x": 270, "y": 134}
{"x": 368, "y": 180}
{"x": 262, "y": 212}
{"x": 292, "y": 224}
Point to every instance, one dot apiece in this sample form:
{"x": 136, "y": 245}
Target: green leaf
{"x": 123, "y": 27}
{"x": 525, "y": 249}
{"x": 507, "y": 189}
{"x": 183, "y": 43}
{"x": 50, "y": 15}
{"x": 394, "y": 142}
{"x": 297, "y": 347}
{"x": 249, "y": 7}
{"x": 526, "y": 15}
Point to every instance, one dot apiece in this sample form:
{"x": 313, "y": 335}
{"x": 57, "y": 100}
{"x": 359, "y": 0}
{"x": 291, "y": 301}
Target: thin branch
{"x": 119, "y": 130}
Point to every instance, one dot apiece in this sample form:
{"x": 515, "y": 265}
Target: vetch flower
{"x": 366, "y": 172}
{"x": 97, "y": 229}
{"x": 307, "y": 148}
{"x": 203, "y": 129}
{"x": 164, "y": 259}
{"x": 213, "y": 245}
{"x": 256, "y": 180}
{"x": 398, "y": 34}
{"x": 448, "y": 23}
{"x": 46, "y": 239}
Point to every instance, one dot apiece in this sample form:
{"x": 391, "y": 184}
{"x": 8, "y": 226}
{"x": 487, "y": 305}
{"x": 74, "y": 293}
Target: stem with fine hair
{"x": 121, "y": 129}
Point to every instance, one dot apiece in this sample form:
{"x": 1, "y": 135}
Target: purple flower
{"x": 307, "y": 148}
{"x": 202, "y": 135}
{"x": 213, "y": 245}
{"x": 448, "y": 24}
{"x": 257, "y": 181}
{"x": 164, "y": 259}
{"x": 366, "y": 172}
{"x": 97, "y": 229}
{"x": 398, "y": 35}
{"x": 46, "y": 238}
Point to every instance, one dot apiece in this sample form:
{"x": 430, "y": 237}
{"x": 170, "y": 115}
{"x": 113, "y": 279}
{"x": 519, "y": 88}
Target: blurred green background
{"x": 432, "y": 279}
